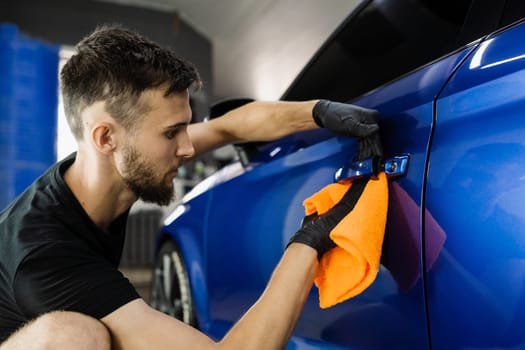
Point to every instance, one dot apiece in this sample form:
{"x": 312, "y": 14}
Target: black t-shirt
{"x": 53, "y": 257}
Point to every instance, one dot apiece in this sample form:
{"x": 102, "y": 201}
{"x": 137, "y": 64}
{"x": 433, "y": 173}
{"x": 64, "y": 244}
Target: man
{"x": 127, "y": 103}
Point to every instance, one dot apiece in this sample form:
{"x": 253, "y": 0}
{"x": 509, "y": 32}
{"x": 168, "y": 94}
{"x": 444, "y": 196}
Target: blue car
{"x": 448, "y": 78}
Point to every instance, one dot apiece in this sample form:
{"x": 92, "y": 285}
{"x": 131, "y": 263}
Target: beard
{"x": 140, "y": 176}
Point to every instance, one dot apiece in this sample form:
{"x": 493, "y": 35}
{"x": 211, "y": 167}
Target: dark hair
{"x": 116, "y": 65}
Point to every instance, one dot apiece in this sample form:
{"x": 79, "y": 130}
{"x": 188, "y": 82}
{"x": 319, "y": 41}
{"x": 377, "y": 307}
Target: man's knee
{"x": 62, "y": 330}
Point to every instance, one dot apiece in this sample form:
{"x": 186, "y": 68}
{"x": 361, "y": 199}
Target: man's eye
{"x": 171, "y": 134}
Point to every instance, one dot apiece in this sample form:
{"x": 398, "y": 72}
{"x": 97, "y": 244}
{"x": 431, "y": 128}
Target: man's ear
{"x": 104, "y": 137}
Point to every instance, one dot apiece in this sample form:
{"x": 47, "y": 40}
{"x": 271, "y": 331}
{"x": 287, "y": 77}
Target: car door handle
{"x": 393, "y": 167}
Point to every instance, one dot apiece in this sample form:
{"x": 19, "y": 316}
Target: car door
{"x": 395, "y": 317}
{"x": 475, "y": 191}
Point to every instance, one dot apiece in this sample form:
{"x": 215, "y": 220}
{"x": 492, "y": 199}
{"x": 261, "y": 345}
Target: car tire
{"x": 170, "y": 289}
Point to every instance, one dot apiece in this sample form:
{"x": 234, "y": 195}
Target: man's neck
{"x": 99, "y": 190}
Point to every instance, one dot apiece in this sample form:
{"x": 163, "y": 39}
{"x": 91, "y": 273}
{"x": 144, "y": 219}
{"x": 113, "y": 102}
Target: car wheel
{"x": 170, "y": 290}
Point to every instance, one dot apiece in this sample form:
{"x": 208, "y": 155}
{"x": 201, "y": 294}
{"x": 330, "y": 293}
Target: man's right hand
{"x": 315, "y": 231}
{"x": 345, "y": 119}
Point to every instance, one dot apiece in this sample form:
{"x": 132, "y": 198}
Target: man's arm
{"x": 256, "y": 121}
{"x": 267, "y": 121}
{"x": 267, "y": 325}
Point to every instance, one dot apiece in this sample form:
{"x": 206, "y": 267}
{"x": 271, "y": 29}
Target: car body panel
{"x": 247, "y": 220}
{"x": 476, "y": 186}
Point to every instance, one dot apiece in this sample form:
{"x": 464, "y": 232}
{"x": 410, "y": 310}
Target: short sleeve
{"x": 68, "y": 276}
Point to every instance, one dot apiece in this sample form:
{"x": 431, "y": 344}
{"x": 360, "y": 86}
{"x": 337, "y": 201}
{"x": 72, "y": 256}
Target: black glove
{"x": 315, "y": 231}
{"x": 346, "y": 119}
{"x": 370, "y": 146}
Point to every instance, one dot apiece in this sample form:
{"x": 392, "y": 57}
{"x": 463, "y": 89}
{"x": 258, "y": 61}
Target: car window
{"x": 385, "y": 39}
{"x": 514, "y": 11}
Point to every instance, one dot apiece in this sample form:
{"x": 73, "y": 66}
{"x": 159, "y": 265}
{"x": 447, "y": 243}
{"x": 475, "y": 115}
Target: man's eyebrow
{"x": 176, "y": 125}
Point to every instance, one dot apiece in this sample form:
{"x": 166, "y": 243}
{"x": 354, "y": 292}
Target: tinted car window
{"x": 385, "y": 39}
{"x": 514, "y": 11}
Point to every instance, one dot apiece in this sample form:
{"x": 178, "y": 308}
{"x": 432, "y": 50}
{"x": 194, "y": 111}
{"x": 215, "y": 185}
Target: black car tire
{"x": 170, "y": 289}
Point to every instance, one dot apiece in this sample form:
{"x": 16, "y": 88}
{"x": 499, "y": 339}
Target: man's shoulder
{"x": 34, "y": 217}
{"x": 41, "y": 199}
{"x": 34, "y": 206}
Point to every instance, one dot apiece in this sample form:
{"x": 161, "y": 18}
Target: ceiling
{"x": 259, "y": 46}
{"x": 215, "y": 19}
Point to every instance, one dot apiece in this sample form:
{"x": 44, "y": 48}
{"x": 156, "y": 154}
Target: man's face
{"x": 152, "y": 155}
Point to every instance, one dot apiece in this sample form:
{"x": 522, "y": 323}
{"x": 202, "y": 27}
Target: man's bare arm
{"x": 267, "y": 325}
{"x": 256, "y": 121}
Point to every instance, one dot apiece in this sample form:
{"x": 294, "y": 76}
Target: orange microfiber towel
{"x": 350, "y": 267}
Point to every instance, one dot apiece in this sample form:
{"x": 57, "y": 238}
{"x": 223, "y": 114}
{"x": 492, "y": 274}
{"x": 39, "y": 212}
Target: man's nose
{"x": 185, "y": 147}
